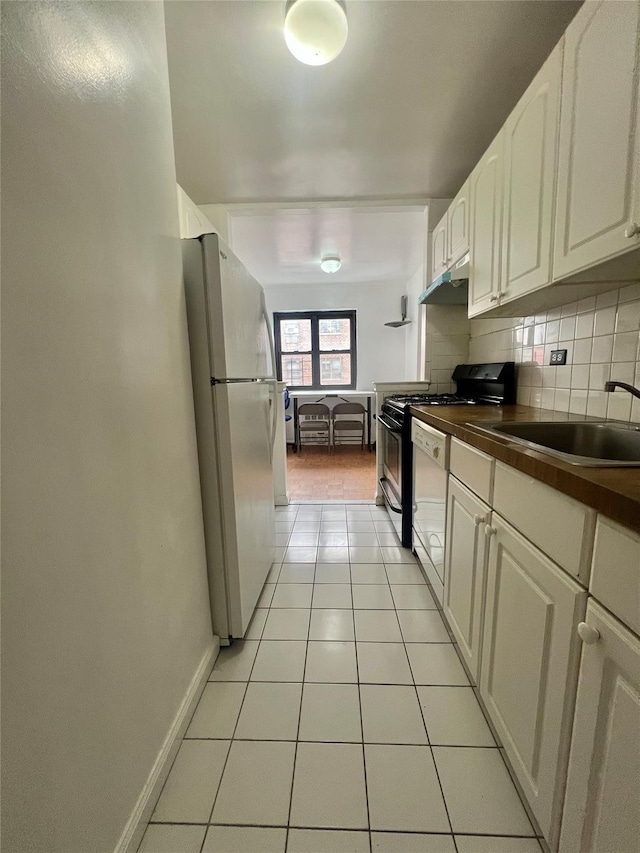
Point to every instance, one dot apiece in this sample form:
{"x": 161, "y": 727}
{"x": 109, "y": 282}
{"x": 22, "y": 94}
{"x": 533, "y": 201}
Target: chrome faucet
{"x": 611, "y": 386}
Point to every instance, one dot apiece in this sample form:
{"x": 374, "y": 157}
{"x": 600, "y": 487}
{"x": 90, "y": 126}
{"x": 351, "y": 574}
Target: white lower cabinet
{"x": 602, "y": 805}
{"x": 465, "y": 573}
{"x": 530, "y": 665}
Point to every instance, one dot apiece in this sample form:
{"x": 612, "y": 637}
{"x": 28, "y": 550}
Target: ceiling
{"x": 404, "y": 112}
{"x": 285, "y": 246}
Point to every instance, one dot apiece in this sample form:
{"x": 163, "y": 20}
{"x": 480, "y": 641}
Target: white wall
{"x": 105, "y": 607}
{"x": 381, "y": 350}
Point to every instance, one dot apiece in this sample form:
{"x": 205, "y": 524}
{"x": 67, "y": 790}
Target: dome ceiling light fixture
{"x": 330, "y": 263}
{"x": 315, "y": 30}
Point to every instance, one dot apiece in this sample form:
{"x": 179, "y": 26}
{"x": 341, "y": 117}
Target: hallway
{"x": 344, "y": 721}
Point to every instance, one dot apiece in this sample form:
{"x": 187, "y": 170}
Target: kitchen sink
{"x": 597, "y": 444}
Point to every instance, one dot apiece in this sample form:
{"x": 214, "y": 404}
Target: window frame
{"x": 316, "y": 352}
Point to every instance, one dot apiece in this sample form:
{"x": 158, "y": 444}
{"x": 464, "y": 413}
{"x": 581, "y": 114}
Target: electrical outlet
{"x": 558, "y": 356}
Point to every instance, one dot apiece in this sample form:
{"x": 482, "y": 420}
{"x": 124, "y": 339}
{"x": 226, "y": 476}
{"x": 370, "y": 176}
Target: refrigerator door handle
{"x": 272, "y": 348}
{"x": 274, "y": 415}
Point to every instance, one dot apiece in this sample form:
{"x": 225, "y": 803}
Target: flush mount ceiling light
{"x": 315, "y": 30}
{"x": 330, "y": 263}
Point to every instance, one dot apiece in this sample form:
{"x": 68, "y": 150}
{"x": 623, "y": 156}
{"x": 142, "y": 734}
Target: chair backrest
{"x": 310, "y": 409}
{"x": 348, "y": 409}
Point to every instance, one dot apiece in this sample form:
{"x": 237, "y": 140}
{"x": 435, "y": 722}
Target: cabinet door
{"x": 458, "y": 225}
{"x": 530, "y": 665}
{"x": 439, "y": 249}
{"x": 465, "y": 570}
{"x": 485, "y": 190}
{"x": 602, "y": 805}
{"x": 598, "y": 172}
{"x": 530, "y": 160}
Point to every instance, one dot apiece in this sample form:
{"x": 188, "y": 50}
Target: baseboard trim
{"x": 137, "y": 823}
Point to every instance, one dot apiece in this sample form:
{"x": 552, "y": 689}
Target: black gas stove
{"x": 400, "y": 401}
{"x": 476, "y": 384}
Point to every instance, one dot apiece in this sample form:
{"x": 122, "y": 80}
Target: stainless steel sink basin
{"x": 597, "y": 444}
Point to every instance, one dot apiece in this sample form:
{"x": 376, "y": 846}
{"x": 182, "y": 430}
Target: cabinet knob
{"x": 588, "y": 634}
{"x": 490, "y": 531}
{"x": 632, "y": 230}
{"x": 494, "y": 298}
{"x": 478, "y": 519}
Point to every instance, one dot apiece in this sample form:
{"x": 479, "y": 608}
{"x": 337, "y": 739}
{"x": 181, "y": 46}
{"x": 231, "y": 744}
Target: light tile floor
{"x": 344, "y": 722}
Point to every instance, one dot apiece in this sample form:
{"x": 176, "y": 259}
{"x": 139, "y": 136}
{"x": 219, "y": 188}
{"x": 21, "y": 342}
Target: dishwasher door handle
{"x": 393, "y": 507}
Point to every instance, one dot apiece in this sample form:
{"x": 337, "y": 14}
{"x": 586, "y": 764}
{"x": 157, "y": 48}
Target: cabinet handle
{"x": 588, "y": 634}
{"x": 490, "y": 531}
{"x": 478, "y": 519}
{"x": 494, "y": 298}
{"x": 632, "y": 230}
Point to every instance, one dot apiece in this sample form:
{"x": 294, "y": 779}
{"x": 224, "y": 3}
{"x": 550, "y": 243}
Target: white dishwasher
{"x": 430, "y": 474}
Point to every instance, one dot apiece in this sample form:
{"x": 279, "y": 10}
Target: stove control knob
{"x": 436, "y": 452}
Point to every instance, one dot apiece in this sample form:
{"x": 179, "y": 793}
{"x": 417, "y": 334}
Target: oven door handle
{"x": 393, "y": 507}
{"x": 387, "y": 423}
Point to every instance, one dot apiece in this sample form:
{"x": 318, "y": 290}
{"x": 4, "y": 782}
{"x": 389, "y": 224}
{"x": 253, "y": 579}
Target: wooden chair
{"x": 314, "y": 422}
{"x": 344, "y": 427}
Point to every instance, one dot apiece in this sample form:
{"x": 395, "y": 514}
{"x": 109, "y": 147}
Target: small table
{"x": 319, "y": 396}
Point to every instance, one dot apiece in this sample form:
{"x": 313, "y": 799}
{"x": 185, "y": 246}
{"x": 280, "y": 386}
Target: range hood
{"x": 451, "y": 288}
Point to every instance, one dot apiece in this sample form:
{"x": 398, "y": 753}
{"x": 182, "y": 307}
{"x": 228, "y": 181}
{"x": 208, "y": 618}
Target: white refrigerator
{"x": 234, "y": 388}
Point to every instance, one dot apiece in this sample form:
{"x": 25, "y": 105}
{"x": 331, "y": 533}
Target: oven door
{"x": 391, "y": 481}
{"x": 392, "y": 456}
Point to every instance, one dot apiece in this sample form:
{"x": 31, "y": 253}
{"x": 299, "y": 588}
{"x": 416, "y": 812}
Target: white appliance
{"x": 234, "y": 388}
{"x": 430, "y": 476}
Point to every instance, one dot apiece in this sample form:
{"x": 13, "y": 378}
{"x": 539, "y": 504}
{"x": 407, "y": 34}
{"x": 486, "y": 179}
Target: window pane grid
{"x": 316, "y": 349}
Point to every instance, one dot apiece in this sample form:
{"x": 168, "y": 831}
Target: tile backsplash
{"x": 446, "y": 344}
{"x": 602, "y": 338}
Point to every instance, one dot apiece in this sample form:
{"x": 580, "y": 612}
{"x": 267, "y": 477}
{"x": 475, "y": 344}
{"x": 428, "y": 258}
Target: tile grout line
{"x": 347, "y": 829}
{"x": 364, "y": 756}
{"x": 426, "y": 730}
{"x": 295, "y": 753}
{"x": 226, "y": 761}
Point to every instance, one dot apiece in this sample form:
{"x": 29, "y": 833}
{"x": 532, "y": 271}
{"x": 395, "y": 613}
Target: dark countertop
{"x": 615, "y": 492}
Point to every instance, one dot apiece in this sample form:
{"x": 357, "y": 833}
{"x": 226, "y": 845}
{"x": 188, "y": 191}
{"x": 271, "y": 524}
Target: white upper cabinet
{"x": 530, "y": 159}
{"x": 530, "y": 665}
{"x": 439, "y": 249}
{"x": 458, "y": 225}
{"x": 602, "y": 805}
{"x": 598, "y": 204}
{"x": 485, "y": 191}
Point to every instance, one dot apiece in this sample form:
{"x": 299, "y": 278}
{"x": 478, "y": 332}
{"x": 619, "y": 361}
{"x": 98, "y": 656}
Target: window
{"x": 316, "y": 349}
